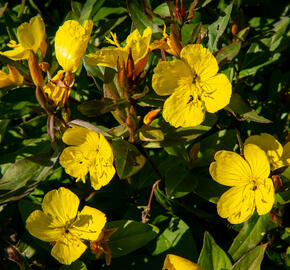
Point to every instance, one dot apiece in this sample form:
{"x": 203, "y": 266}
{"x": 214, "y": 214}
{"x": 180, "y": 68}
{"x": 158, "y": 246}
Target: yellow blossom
{"x": 89, "y": 152}
{"x": 174, "y": 262}
{"x": 248, "y": 177}
{"x": 71, "y": 41}
{"x": 31, "y": 37}
{"x": 14, "y": 77}
{"x": 61, "y": 224}
{"x": 54, "y": 91}
{"x": 278, "y": 155}
{"x": 109, "y": 57}
{"x": 193, "y": 85}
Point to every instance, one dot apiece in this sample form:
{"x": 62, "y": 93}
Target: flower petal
{"x": 216, "y": 92}
{"x": 270, "y": 145}
{"x": 230, "y": 169}
{"x": 264, "y": 196}
{"x": 139, "y": 45}
{"x": 174, "y": 262}
{"x": 237, "y": 204}
{"x": 18, "y": 53}
{"x": 68, "y": 250}
{"x": 201, "y": 61}
{"x": 257, "y": 160}
{"x": 169, "y": 76}
{"x": 107, "y": 57}
{"x": 183, "y": 109}
{"x": 40, "y": 225}
{"x": 89, "y": 224}
{"x": 61, "y": 205}
{"x": 31, "y": 35}
{"x": 75, "y": 135}
{"x": 101, "y": 173}
{"x": 75, "y": 162}
{"x": 71, "y": 42}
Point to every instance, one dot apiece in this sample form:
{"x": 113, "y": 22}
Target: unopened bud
{"x": 234, "y": 29}
{"x": 35, "y": 71}
{"x": 44, "y": 66}
{"x": 130, "y": 65}
{"x": 193, "y": 152}
{"x": 149, "y": 117}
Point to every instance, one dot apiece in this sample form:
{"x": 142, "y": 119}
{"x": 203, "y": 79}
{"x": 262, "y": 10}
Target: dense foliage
{"x": 131, "y": 130}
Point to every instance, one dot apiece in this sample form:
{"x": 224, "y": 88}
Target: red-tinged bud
{"x": 122, "y": 74}
{"x": 234, "y": 29}
{"x": 130, "y": 65}
{"x": 41, "y": 98}
{"x": 193, "y": 152}
{"x": 277, "y": 181}
{"x": 65, "y": 113}
{"x": 150, "y": 116}
{"x": 177, "y": 13}
{"x": 35, "y": 71}
{"x": 44, "y": 66}
{"x": 139, "y": 67}
{"x": 182, "y": 12}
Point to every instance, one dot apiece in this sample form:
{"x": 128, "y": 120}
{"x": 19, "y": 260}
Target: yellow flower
{"x": 31, "y": 37}
{"x": 109, "y": 57}
{"x": 71, "y": 41}
{"x": 194, "y": 86}
{"x": 14, "y": 77}
{"x": 278, "y": 155}
{"x": 248, "y": 177}
{"x": 56, "y": 93}
{"x": 174, "y": 262}
{"x": 90, "y": 152}
{"x": 61, "y": 224}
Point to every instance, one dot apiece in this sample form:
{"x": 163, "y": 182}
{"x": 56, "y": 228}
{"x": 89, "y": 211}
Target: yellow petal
{"x": 75, "y": 162}
{"x": 264, "y": 196}
{"x": 201, "y": 61}
{"x": 174, "y": 262}
{"x": 5, "y": 79}
{"x": 270, "y": 145}
{"x": 61, "y": 205}
{"x": 75, "y": 135}
{"x": 101, "y": 173}
{"x": 237, "y": 204}
{"x": 139, "y": 45}
{"x": 68, "y": 250}
{"x": 40, "y": 225}
{"x": 183, "y": 108}
{"x": 71, "y": 42}
{"x": 216, "y": 92}
{"x": 105, "y": 148}
{"x": 15, "y": 75}
{"x": 31, "y": 35}
{"x": 55, "y": 93}
{"x": 89, "y": 224}
{"x": 168, "y": 76}
{"x": 18, "y": 53}
{"x": 257, "y": 160}
{"x": 107, "y": 57}
{"x": 230, "y": 169}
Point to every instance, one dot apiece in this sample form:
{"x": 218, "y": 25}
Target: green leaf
{"x": 243, "y": 111}
{"x": 87, "y": 10}
{"x": 24, "y": 175}
{"x": 128, "y": 159}
{"x": 252, "y": 260}
{"x": 131, "y": 235}
{"x": 77, "y": 265}
{"x": 3, "y": 126}
{"x": 18, "y": 103}
{"x": 212, "y": 257}
{"x": 250, "y": 235}
{"x": 106, "y": 11}
{"x": 176, "y": 239}
{"x": 94, "y": 108}
{"x": 139, "y": 18}
{"x": 150, "y": 134}
{"x": 216, "y": 29}
{"x": 228, "y": 53}
{"x": 179, "y": 181}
